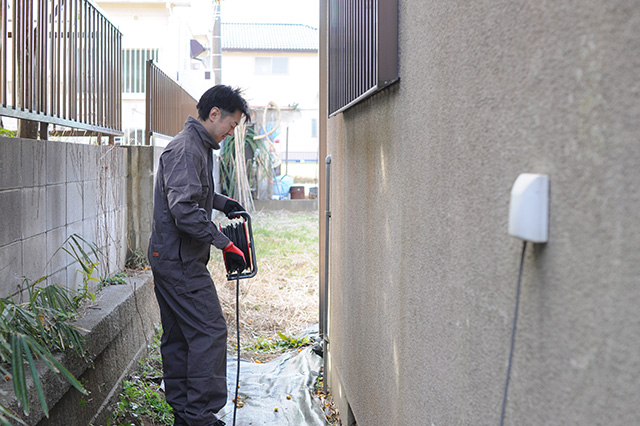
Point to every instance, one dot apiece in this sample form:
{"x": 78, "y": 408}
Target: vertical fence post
{"x": 148, "y": 95}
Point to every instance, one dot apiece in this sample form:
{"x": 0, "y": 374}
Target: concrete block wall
{"x": 49, "y": 191}
{"x": 118, "y": 332}
{"x": 142, "y": 162}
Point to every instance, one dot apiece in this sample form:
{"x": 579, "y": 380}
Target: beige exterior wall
{"x": 422, "y": 271}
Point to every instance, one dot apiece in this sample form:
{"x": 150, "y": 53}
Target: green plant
{"x": 263, "y": 344}
{"x": 140, "y": 398}
{"x": 266, "y": 344}
{"x": 151, "y": 366}
{"x": 293, "y": 342}
{"x": 141, "y": 401}
{"x": 9, "y": 133}
{"x": 33, "y": 330}
{"x": 137, "y": 260}
{"x": 119, "y": 278}
{"x": 261, "y": 165}
{"x": 88, "y": 261}
{"x": 6, "y": 415}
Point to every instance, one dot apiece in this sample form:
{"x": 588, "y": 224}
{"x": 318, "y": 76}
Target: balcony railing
{"x": 363, "y": 50}
{"x": 60, "y": 63}
{"x": 168, "y": 104}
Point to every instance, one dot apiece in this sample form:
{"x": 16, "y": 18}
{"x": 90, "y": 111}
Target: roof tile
{"x": 269, "y": 37}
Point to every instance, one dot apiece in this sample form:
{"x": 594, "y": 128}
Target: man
{"x": 194, "y": 339}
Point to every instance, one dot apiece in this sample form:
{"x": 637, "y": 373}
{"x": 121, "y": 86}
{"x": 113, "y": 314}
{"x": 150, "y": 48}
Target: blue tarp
{"x": 281, "y": 186}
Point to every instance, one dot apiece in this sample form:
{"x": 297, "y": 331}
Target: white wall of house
{"x": 167, "y": 27}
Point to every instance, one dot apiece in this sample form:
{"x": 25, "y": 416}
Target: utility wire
{"x": 513, "y": 335}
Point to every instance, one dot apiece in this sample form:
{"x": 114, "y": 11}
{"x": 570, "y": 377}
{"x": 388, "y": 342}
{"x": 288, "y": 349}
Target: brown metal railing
{"x": 60, "y": 63}
{"x": 168, "y": 104}
{"x": 363, "y": 50}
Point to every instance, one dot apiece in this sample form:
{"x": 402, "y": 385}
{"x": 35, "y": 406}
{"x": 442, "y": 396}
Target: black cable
{"x": 235, "y": 405}
{"x": 237, "y": 233}
{"x": 513, "y": 335}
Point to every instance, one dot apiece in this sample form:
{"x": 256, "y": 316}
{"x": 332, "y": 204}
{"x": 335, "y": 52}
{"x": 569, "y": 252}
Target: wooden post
{"x": 27, "y": 129}
{"x": 44, "y": 131}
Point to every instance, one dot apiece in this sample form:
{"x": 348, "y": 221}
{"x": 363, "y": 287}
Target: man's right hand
{"x": 234, "y": 258}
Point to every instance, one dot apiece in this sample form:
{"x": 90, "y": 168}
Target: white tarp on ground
{"x": 264, "y": 387}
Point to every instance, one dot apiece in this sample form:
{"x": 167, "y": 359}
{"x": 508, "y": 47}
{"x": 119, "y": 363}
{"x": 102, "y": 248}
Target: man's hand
{"x": 234, "y": 258}
{"x": 232, "y": 206}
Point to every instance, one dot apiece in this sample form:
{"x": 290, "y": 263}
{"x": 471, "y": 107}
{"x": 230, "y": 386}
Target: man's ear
{"x": 214, "y": 113}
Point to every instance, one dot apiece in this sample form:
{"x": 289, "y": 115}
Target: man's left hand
{"x": 232, "y": 206}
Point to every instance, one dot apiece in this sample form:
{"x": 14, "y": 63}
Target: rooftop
{"x": 269, "y": 37}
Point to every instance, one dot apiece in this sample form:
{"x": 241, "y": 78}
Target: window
{"x": 134, "y": 71}
{"x": 133, "y": 137}
{"x": 363, "y": 50}
{"x": 265, "y": 65}
{"x": 314, "y": 127}
{"x": 280, "y": 65}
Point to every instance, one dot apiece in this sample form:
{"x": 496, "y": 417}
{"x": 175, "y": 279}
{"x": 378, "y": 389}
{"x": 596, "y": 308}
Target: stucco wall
{"x": 422, "y": 271}
{"x": 49, "y": 191}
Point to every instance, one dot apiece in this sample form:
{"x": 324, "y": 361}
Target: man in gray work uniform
{"x": 194, "y": 339}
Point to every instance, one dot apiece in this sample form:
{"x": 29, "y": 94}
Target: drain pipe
{"x": 325, "y": 305}
{"x": 324, "y": 309}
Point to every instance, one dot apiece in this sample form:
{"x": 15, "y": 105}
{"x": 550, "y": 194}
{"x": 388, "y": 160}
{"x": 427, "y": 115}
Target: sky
{"x": 271, "y": 11}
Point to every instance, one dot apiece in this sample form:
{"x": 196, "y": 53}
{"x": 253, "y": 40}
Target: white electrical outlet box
{"x": 529, "y": 208}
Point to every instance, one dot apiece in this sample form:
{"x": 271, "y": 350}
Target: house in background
{"x": 278, "y": 63}
{"x": 179, "y": 37}
{"x": 271, "y": 62}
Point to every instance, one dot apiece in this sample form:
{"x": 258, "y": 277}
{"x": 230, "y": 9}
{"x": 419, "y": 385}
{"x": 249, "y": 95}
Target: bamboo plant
{"x": 36, "y": 329}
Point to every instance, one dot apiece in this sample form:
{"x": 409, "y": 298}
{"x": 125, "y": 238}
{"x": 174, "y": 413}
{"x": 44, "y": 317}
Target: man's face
{"x": 220, "y": 127}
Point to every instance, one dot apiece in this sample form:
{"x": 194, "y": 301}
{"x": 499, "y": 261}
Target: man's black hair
{"x": 226, "y": 98}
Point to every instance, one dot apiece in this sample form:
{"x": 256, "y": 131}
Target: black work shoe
{"x": 219, "y": 423}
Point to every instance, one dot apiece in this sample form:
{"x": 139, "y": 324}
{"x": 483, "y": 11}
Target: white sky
{"x": 271, "y": 11}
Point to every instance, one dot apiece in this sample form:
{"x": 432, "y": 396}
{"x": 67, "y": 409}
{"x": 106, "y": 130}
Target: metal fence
{"x": 363, "y": 50}
{"x": 60, "y": 63}
{"x": 134, "y": 68}
{"x": 168, "y": 104}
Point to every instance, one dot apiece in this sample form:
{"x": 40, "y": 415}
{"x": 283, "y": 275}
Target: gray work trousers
{"x": 194, "y": 352}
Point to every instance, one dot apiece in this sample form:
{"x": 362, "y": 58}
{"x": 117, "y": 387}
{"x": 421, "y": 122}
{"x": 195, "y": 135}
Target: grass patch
{"x": 283, "y": 296}
{"x": 284, "y": 342}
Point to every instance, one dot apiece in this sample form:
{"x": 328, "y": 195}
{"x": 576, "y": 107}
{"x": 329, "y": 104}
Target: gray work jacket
{"x": 182, "y": 232}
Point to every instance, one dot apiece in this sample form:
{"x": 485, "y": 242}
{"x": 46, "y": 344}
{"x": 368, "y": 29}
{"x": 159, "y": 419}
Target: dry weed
{"x": 283, "y": 296}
